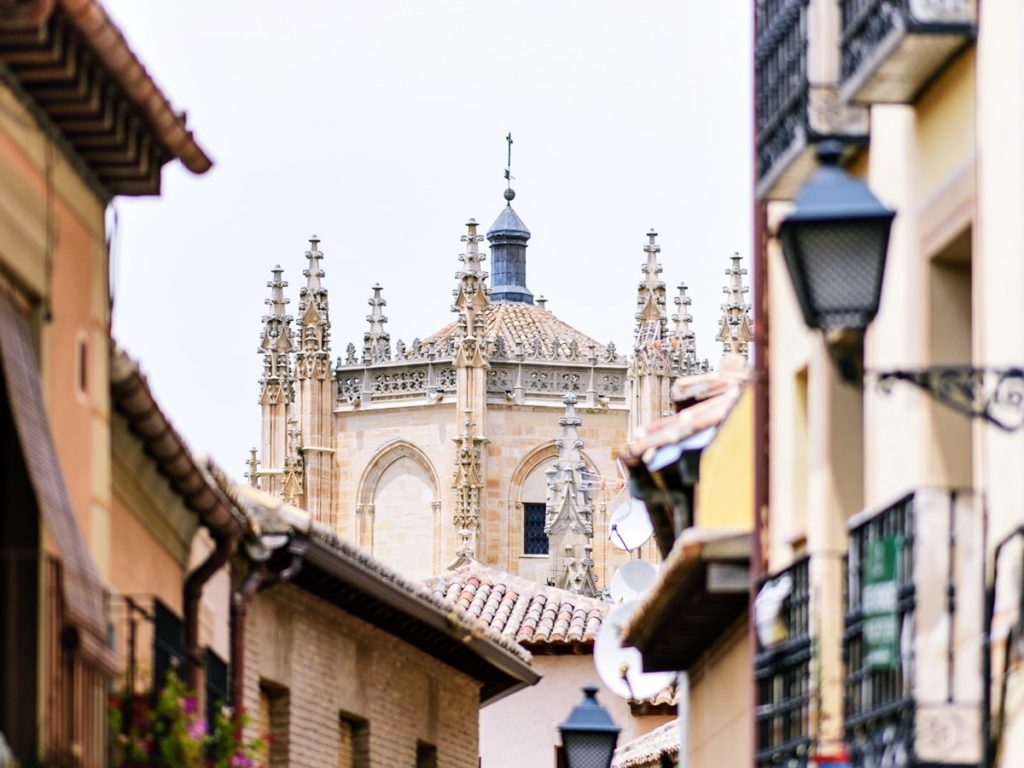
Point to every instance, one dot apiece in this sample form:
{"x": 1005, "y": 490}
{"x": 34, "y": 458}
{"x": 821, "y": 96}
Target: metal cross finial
{"x": 508, "y": 165}
{"x": 509, "y": 192}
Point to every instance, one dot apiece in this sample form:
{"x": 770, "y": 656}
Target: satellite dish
{"x": 620, "y": 668}
{"x": 632, "y": 579}
{"x": 630, "y": 526}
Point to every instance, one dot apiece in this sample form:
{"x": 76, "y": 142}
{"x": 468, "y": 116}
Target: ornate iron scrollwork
{"x": 993, "y": 394}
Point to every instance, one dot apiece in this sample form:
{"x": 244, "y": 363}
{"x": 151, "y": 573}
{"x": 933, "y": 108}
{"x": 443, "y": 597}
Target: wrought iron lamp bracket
{"x": 993, "y": 394}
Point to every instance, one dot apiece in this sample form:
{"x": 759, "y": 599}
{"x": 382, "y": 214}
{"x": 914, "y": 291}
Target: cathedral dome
{"x": 542, "y": 334}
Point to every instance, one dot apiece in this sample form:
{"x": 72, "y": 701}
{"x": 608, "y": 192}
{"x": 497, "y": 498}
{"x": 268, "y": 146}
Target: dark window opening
{"x": 274, "y": 723}
{"x": 426, "y": 755}
{"x": 168, "y": 645}
{"x": 535, "y": 541}
{"x": 354, "y": 746}
{"x": 83, "y": 367}
{"x": 216, "y": 685}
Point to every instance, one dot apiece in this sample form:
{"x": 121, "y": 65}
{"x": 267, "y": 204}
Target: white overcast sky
{"x": 380, "y": 127}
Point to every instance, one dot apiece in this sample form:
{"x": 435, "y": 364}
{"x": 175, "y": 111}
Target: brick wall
{"x": 332, "y": 665}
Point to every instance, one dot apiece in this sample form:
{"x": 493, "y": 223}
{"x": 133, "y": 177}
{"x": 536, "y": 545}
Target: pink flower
{"x": 196, "y": 730}
{"x": 241, "y": 761}
{"x": 190, "y": 705}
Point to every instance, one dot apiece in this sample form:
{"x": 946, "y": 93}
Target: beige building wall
{"x": 998, "y": 277}
{"x": 315, "y": 664}
{"x": 59, "y": 262}
{"x": 550, "y": 701}
{"x": 720, "y": 719}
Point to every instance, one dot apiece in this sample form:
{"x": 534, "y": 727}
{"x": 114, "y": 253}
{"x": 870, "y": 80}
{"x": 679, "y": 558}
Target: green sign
{"x": 879, "y": 599}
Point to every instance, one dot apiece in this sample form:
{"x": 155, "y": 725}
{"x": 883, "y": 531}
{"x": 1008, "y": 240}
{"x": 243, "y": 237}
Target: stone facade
{"x": 434, "y": 452}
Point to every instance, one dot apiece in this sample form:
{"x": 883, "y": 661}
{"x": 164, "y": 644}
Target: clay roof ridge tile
{"x": 479, "y": 600}
{"x": 515, "y": 618}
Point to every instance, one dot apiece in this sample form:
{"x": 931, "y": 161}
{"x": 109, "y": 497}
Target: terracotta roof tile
{"x": 647, "y": 750}
{"x": 531, "y": 614}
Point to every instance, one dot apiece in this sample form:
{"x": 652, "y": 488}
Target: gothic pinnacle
{"x": 651, "y": 320}
{"x": 313, "y": 272}
{"x": 472, "y": 257}
{"x": 376, "y": 340}
{"x": 734, "y": 329}
{"x": 277, "y": 300}
{"x": 686, "y": 350}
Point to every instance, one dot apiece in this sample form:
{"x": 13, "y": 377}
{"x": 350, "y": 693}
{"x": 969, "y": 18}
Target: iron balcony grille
{"x": 890, "y": 49}
{"x": 932, "y": 568}
{"x": 781, "y": 78}
{"x": 880, "y": 698}
{"x": 782, "y": 671}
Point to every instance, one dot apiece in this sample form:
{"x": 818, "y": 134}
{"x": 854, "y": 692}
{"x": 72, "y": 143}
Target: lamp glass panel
{"x": 588, "y": 750}
{"x": 843, "y": 264}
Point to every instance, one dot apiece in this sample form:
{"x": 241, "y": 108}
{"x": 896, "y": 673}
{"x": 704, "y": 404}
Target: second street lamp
{"x": 589, "y": 734}
{"x": 835, "y": 244}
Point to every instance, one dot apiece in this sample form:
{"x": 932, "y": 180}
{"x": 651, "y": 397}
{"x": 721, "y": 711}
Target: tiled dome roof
{"x": 542, "y": 334}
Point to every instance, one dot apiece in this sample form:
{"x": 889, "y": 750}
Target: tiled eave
{"x": 700, "y": 592}
{"x": 131, "y": 396}
{"x": 70, "y": 65}
{"x": 358, "y": 590}
{"x": 664, "y": 458}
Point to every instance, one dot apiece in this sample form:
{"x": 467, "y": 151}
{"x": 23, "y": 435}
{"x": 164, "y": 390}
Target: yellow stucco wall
{"x": 725, "y": 493}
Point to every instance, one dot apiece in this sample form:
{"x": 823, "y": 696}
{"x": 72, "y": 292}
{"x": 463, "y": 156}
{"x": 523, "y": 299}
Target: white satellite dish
{"x": 632, "y": 579}
{"x": 620, "y": 668}
{"x": 630, "y": 526}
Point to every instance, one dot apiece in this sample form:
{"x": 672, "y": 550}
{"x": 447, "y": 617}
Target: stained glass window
{"x": 535, "y": 541}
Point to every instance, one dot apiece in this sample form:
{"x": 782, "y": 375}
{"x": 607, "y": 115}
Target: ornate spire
{"x": 568, "y": 522}
{"x": 276, "y": 344}
{"x": 376, "y": 341}
{"x": 309, "y": 460}
{"x": 651, "y": 318}
{"x": 471, "y": 300}
{"x": 467, "y": 480}
{"x": 684, "y": 357}
{"x": 734, "y": 328}
{"x": 277, "y": 385}
{"x": 313, "y": 354}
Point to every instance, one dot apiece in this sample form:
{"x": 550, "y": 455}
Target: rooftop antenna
{"x": 510, "y": 193}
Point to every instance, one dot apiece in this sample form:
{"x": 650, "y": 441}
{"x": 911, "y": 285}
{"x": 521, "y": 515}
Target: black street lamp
{"x": 590, "y": 734}
{"x": 835, "y": 244}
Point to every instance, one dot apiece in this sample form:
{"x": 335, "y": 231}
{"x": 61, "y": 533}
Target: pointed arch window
{"x": 535, "y": 541}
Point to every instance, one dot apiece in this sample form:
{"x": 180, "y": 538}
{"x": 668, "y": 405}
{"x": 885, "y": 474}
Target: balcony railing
{"x": 782, "y": 670}
{"x": 914, "y": 579}
{"x": 891, "y": 49}
{"x": 793, "y": 114}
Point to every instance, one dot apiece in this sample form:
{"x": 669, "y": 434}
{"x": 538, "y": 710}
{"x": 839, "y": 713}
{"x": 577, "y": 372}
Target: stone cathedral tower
{"x": 492, "y": 439}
